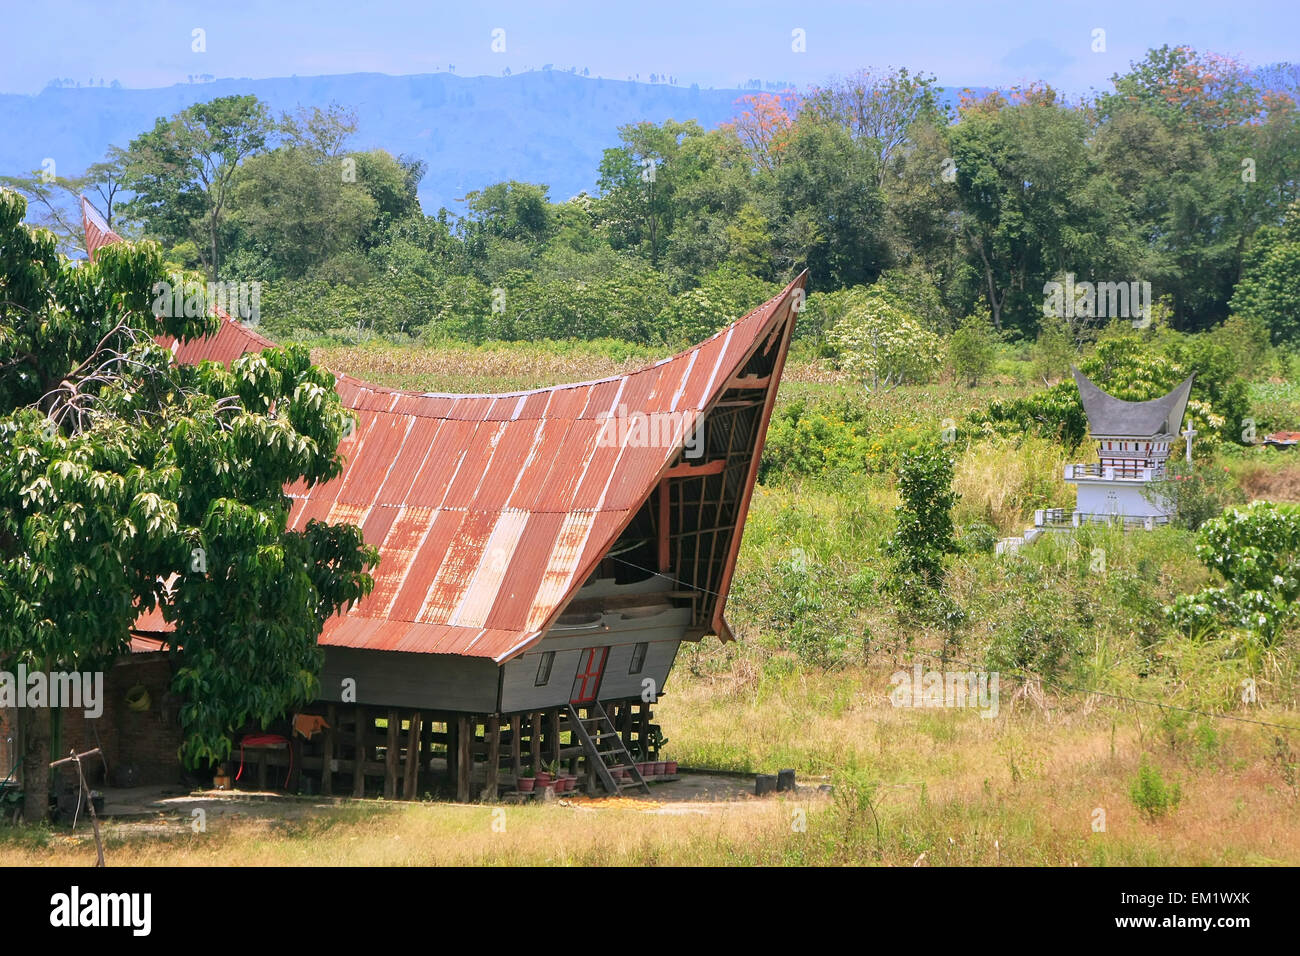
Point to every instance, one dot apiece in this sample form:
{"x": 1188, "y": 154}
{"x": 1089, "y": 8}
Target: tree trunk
{"x": 34, "y": 731}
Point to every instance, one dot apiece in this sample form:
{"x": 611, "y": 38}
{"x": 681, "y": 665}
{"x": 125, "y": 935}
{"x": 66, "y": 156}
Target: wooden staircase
{"x": 601, "y": 743}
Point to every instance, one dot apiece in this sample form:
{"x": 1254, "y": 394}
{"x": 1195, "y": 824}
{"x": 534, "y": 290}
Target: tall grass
{"x": 1002, "y": 482}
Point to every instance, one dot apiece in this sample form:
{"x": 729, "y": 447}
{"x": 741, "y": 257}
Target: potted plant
{"x": 549, "y": 774}
{"x": 525, "y": 782}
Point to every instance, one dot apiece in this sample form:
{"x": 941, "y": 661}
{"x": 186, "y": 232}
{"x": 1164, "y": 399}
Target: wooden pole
{"x": 327, "y": 760}
{"x": 359, "y": 774}
{"x": 492, "y": 729}
{"x": 516, "y": 751}
{"x": 423, "y": 781}
{"x": 553, "y": 734}
{"x": 390, "y": 754}
{"x": 453, "y": 752}
{"x": 83, "y": 792}
{"x": 535, "y": 741}
{"x": 412, "y": 757}
{"x": 464, "y": 757}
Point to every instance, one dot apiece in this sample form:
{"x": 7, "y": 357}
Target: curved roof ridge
{"x": 1108, "y": 415}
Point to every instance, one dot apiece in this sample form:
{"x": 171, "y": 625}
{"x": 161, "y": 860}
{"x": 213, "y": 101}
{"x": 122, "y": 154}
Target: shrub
{"x": 1053, "y": 351}
{"x": 812, "y": 441}
{"x": 1127, "y": 367}
{"x": 1151, "y": 795}
{"x": 979, "y": 537}
{"x": 1257, "y": 551}
{"x": 1040, "y": 629}
{"x": 1198, "y": 494}
{"x": 924, "y": 533}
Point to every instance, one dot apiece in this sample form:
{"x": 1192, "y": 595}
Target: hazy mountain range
{"x": 543, "y": 126}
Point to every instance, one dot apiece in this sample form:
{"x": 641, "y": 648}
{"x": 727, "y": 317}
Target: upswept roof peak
{"x": 1109, "y": 416}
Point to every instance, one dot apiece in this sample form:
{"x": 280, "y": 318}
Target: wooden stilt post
{"x": 423, "y": 782}
{"x": 359, "y": 773}
{"x": 535, "y": 741}
{"x": 464, "y": 757}
{"x": 553, "y": 733}
{"x": 453, "y": 752}
{"x": 492, "y": 729}
{"x": 412, "y": 767}
{"x": 327, "y": 757}
{"x": 589, "y": 785}
{"x": 391, "y": 747}
{"x": 643, "y": 735}
{"x": 516, "y": 751}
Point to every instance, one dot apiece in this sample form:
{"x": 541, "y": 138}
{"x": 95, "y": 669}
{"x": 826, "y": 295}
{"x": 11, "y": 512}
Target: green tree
{"x": 1030, "y": 200}
{"x": 1053, "y": 351}
{"x": 1256, "y": 550}
{"x": 53, "y": 202}
{"x": 881, "y": 107}
{"x": 1269, "y": 289}
{"x": 884, "y": 345}
{"x": 182, "y": 171}
{"x": 511, "y": 210}
{"x": 293, "y": 210}
{"x": 129, "y": 483}
{"x": 639, "y": 183}
{"x": 1174, "y": 137}
{"x": 972, "y": 349}
{"x": 825, "y": 207}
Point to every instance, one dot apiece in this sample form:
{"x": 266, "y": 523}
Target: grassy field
{"x": 911, "y": 786}
{"x": 1079, "y": 768}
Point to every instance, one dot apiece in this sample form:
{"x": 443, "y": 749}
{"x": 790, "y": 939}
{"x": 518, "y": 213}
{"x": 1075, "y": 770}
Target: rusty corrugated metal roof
{"x": 490, "y": 511}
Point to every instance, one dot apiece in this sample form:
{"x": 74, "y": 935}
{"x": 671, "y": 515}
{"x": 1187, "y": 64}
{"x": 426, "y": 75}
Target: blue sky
{"x": 718, "y": 44}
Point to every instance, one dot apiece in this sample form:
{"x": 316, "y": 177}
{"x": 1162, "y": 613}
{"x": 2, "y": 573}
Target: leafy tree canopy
{"x": 129, "y": 483}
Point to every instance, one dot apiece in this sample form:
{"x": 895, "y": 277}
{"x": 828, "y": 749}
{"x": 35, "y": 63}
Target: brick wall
{"x": 146, "y": 740}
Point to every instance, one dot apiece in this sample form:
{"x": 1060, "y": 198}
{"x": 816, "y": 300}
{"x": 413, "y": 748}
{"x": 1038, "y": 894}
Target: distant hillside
{"x": 546, "y": 126}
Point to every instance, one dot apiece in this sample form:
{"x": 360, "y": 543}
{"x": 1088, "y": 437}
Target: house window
{"x": 544, "y": 669}
{"x": 638, "y": 658}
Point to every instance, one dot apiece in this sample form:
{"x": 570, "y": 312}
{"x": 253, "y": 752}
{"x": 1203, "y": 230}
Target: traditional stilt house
{"x": 1133, "y": 441}
{"x": 543, "y": 555}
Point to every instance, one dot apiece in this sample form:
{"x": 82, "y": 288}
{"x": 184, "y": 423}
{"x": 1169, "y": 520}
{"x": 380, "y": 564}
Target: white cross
{"x": 1189, "y": 433}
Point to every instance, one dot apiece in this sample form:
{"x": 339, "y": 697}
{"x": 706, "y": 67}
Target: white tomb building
{"x": 1133, "y": 440}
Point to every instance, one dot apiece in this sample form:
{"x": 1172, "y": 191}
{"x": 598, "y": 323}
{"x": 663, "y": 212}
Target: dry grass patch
{"x": 1272, "y": 484}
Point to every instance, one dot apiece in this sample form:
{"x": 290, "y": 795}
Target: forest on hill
{"x": 1175, "y": 183}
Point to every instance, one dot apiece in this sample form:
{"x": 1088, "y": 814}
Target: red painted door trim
{"x": 591, "y": 667}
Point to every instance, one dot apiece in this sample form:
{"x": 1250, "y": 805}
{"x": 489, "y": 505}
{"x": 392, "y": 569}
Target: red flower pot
{"x": 526, "y": 784}
{"x": 670, "y": 767}
{"x": 543, "y": 778}
{"x": 661, "y": 766}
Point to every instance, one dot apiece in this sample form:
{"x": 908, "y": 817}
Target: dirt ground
{"x": 171, "y": 809}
